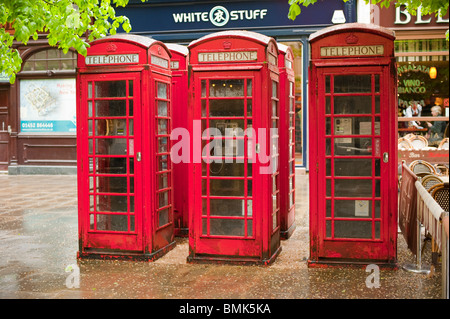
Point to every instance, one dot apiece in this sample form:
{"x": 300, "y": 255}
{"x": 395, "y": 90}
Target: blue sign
{"x": 220, "y": 15}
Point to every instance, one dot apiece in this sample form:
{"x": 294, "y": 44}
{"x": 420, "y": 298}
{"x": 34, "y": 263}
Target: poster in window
{"x": 48, "y": 106}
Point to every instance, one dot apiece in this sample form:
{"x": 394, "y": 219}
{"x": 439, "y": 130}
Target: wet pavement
{"x": 39, "y": 244}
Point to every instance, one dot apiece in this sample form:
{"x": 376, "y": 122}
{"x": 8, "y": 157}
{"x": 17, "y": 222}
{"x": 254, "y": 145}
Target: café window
{"x": 47, "y": 93}
{"x": 423, "y": 79}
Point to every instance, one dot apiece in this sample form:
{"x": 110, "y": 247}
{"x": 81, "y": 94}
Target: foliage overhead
{"x": 66, "y": 24}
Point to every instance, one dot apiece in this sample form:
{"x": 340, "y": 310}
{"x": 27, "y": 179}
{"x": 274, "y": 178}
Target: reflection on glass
{"x": 110, "y": 88}
{"x": 353, "y": 146}
{"x": 111, "y": 203}
{"x": 162, "y": 108}
{"x": 226, "y": 107}
{"x": 352, "y": 229}
{"x": 163, "y": 217}
{"x": 226, "y": 187}
{"x": 111, "y": 146}
{"x": 111, "y": 108}
{"x": 114, "y": 165}
{"x": 227, "y": 227}
{"x": 353, "y": 208}
{"x": 353, "y": 187}
{"x": 352, "y": 105}
{"x": 353, "y": 83}
{"x": 162, "y": 90}
{"x": 226, "y": 207}
{"x": 110, "y": 127}
{"x": 112, "y": 222}
{"x": 351, "y": 167}
{"x": 226, "y": 88}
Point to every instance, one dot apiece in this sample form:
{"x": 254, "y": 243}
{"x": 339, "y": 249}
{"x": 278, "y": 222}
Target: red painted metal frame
{"x": 152, "y": 233}
{"x": 325, "y": 249}
{"x": 287, "y": 141}
{"x": 180, "y": 119}
{"x": 262, "y": 244}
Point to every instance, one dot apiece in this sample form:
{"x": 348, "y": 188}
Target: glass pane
{"x": 163, "y": 144}
{"x": 203, "y": 84}
{"x": 352, "y": 167}
{"x": 226, "y": 88}
{"x": 353, "y": 83}
{"x": 115, "y": 165}
{"x": 130, "y": 88}
{"x": 111, "y": 146}
{"x": 163, "y": 199}
{"x": 111, "y": 203}
{"x": 226, "y": 169}
{"x": 249, "y": 87}
{"x": 327, "y": 84}
{"x": 352, "y": 126}
{"x": 111, "y": 127}
{"x": 353, "y": 146}
{"x": 353, "y": 208}
{"x": 163, "y": 217}
{"x": 228, "y": 128}
{"x": 352, "y": 105}
{"x": 226, "y": 107}
{"x": 163, "y": 181}
{"x": 162, "y": 90}
{"x": 352, "y": 229}
{"x": 111, "y": 89}
{"x": 111, "y": 108}
{"x": 162, "y": 108}
{"x": 163, "y": 164}
{"x": 227, "y": 227}
{"x": 112, "y": 222}
{"x": 226, "y": 187}
{"x": 108, "y": 184}
{"x": 353, "y": 187}
{"x": 226, "y": 207}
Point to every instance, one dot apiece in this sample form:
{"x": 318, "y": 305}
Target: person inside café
{"x": 436, "y": 129}
{"x": 414, "y": 110}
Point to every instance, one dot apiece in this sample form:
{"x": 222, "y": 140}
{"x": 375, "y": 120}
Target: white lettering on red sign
{"x": 112, "y": 59}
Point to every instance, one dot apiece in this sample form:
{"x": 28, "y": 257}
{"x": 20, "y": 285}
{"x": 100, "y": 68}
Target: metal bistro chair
{"x": 418, "y": 142}
{"x": 441, "y": 169}
{"x": 444, "y": 144}
{"x": 429, "y": 181}
{"x": 422, "y": 168}
{"x": 404, "y": 143}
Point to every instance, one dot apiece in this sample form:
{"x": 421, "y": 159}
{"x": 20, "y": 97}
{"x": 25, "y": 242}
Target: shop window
{"x": 47, "y": 98}
{"x": 51, "y": 60}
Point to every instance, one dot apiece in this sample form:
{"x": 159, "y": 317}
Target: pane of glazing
{"x": 352, "y": 167}
{"x": 227, "y": 227}
{"x": 163, "y": 217}
{"x": 352, "y": 229}
{"x": 108, "y": 184}
{"x": 111, "y": 146}
{"x": 352, "y": 105}
{"x": 110, "y": 89}
{"x": 249, "y": 87}
{"x": 353, "y": 146}
{"x": 353, "y": 208}
{"x": 112, "y": 222}
{"x": 110, "y": 108}
{"x": 163, "y": 199}
{"x": 226, "y": 187}
{"x": 111, "y": 127}
{"x": 112, "y": 203}
{"x": 226, "y": 88}
{"x": 353, "y": 83}
{"x": 114, "y": 165}
{"x": 162, "y": 108}
{"x": 352, "y": 126}
{"x": 226, "y": 108}
{"x": 226, "y": 207}
{"x": 353, "y": 187}
{"x": 225, "y": 169}
{"x": 162, "y": 91}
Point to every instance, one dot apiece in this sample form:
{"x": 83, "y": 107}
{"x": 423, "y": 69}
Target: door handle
{"x": 138, "y": 156}
{"x": 385, "y": 157}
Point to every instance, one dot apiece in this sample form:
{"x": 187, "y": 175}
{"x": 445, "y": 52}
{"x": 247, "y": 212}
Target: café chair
{"x": 444, "y": 144}
{"x": 422, "y": 168}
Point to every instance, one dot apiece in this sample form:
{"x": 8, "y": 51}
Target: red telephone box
{"x": 353, "y": 146}
{"x": 287, "y": 141}
{"x": 180, "y": 119}
{"x": 234, "y": 92}
{"x": 123, "y": 137}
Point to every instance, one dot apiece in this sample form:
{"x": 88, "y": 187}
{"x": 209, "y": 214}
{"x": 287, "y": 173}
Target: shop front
{"x": 422, "y": 55}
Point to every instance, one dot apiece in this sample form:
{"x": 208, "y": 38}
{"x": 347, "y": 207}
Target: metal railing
{"x": 431, "y": 215}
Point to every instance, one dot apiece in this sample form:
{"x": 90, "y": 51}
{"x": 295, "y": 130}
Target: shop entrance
{"x": 113, "y": 128}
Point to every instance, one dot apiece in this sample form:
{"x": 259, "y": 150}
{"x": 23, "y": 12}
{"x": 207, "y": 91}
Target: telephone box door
{"x": 353, "y": 172}
{"x": 225, "y": 212}
{"x": 110, "y": 146}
